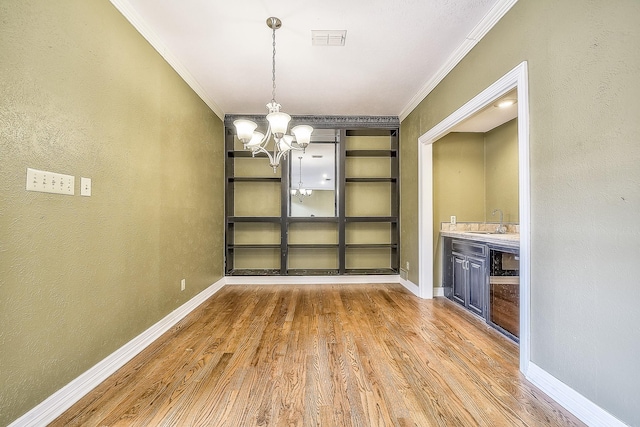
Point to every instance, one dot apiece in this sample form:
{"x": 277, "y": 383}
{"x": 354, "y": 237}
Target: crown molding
{"x": 479, "y": 31}
{"x": 326, "y": 122}
{"x": 141, "y": 26}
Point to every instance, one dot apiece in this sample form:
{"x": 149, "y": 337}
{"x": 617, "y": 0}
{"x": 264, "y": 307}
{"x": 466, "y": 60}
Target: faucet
{"x": 501, "y": 228}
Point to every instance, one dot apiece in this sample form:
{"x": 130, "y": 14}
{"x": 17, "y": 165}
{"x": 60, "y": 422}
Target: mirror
{"x": 312, "y": 177}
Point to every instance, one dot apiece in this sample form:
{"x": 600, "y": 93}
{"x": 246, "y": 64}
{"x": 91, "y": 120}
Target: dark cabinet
{"x": 483, "y": 277}
{"x": 469, "y": 276}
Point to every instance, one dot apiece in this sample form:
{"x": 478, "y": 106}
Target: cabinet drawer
{"x": 468, "y": 248}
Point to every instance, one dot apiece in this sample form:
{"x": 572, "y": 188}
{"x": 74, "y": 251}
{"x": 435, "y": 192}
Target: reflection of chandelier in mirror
{"x": 301, "y": 192}
{"x": 278, "y": 122}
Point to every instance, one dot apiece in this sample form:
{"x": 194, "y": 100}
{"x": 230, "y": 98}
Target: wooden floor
{"x": 326, "y": 355}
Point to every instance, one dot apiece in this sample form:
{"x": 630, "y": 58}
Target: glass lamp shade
{"x": 278, "y": 122}
{"x": 284, "y": 144}
{"x": 303, "y": 134}
{"x": 244, "y": 129}
{"x": 256, "y": 140}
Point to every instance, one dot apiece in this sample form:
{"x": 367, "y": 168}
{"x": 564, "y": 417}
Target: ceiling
{"x": 395, "y": 52}
{"x": 491, "y": 116}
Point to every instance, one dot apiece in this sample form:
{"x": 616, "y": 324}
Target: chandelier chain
{"x": 273, "y": 67}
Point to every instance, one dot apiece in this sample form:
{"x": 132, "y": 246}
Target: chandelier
{"x": 278, "y": 123}
{"x": 300, "y": 192}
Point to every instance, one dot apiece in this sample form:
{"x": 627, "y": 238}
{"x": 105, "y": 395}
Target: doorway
{"x": 515, "y": 79}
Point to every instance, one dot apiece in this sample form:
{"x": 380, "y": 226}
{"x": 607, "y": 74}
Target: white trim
{"x": 425, "y": 220}
{"x": 587, "y": 411}
{"x": 318, "y": 280}
{"x": 438, "y": 291}
{"x": 152, "y": 37}
{"x": 63, "y": 399}
{"x": 311, "y": 280}
{"x": 480, "y": 30}
{"x": 411, "y": 287}
{"x": 517, "y": 77}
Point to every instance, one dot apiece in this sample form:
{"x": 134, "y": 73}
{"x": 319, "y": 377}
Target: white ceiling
{"x": 396, "y": 51}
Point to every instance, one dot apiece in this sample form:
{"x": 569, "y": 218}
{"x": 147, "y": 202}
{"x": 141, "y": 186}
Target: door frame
{"x": 516, "y": 78}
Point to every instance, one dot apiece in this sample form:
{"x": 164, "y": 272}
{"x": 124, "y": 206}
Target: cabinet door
{"x": 459, "y": 279}
{"x": 477, "y": 286}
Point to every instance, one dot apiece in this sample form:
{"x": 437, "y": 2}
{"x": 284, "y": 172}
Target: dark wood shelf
{"x": 371, "y": 245}
{"x": 255, "y": 246}
{"x": 313, "y": 245}
{"x": 389, "y": 179}
{"x": 294, "y": 219}
{"x": 313, "y": 272}
{"x": 370, "y": 271}
{"x": 234, "y": 219}
{"x": 254, "y": 272}
{"x": 254, "y": 179}
{"x": 391, "y": 219}
{"x": 371, "y": 153}
{"x": 244, "y": 154}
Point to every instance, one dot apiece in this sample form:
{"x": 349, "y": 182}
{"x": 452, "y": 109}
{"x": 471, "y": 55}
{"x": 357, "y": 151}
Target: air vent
{"x": 328, "y": 37}
{"x": 316, "y": 156}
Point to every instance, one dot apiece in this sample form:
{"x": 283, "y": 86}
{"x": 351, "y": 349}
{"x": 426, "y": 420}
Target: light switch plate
{"x": 50, "y": 182}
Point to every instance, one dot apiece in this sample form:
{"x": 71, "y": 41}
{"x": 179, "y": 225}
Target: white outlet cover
{"x": 85, "y": 186}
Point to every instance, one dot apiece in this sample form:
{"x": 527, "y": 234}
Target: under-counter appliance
{"x": 504, "y": 291}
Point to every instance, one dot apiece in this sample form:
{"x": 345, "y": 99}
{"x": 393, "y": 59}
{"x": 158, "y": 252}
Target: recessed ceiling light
{"x": 505, "y": 103}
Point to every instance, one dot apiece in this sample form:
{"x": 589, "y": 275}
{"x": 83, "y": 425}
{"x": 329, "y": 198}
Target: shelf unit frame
{"x": 379, "y": 126}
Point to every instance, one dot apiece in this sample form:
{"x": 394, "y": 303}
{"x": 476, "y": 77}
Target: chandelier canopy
{"x": 278, "y": 122}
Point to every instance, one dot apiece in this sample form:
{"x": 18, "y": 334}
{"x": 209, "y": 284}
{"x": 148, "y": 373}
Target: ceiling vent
{"x": 328, "y": 37}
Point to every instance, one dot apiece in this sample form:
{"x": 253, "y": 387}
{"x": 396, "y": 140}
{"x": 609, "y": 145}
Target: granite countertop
{"x": 483, "y": 233}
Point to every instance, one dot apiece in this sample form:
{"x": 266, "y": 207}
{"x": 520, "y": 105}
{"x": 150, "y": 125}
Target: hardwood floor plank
{"x": 322, "y": 355}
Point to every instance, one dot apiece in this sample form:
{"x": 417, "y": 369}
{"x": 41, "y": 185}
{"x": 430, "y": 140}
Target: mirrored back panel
{"x": 313, "y": 177}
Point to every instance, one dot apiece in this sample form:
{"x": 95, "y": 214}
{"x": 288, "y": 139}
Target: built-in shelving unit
{"x": 263, "y": 238}
{"x": 371, "y": 170}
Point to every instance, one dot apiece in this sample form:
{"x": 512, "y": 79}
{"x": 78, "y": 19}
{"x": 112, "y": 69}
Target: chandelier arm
{"x": 261, "y": 149}
{"x": 279, "y": 154}
{"x": 265, "y": 139}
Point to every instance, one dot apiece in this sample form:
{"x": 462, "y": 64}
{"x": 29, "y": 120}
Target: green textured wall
{"x": 84, "y": 94}
{"x": 583, "y": 63}
{"x": 501, "y": 172}
{"x": 458, "y": 185}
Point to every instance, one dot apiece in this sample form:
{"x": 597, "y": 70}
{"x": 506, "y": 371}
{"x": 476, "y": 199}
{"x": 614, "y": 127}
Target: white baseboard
{"x": 587, "y": 411}
{"x": 411, "y": 287}
{"x": 310, "y": 280}
{"x": 63, "y": 399}
{"x": 316, "y": 280}
{"x": 438, "y": 291}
